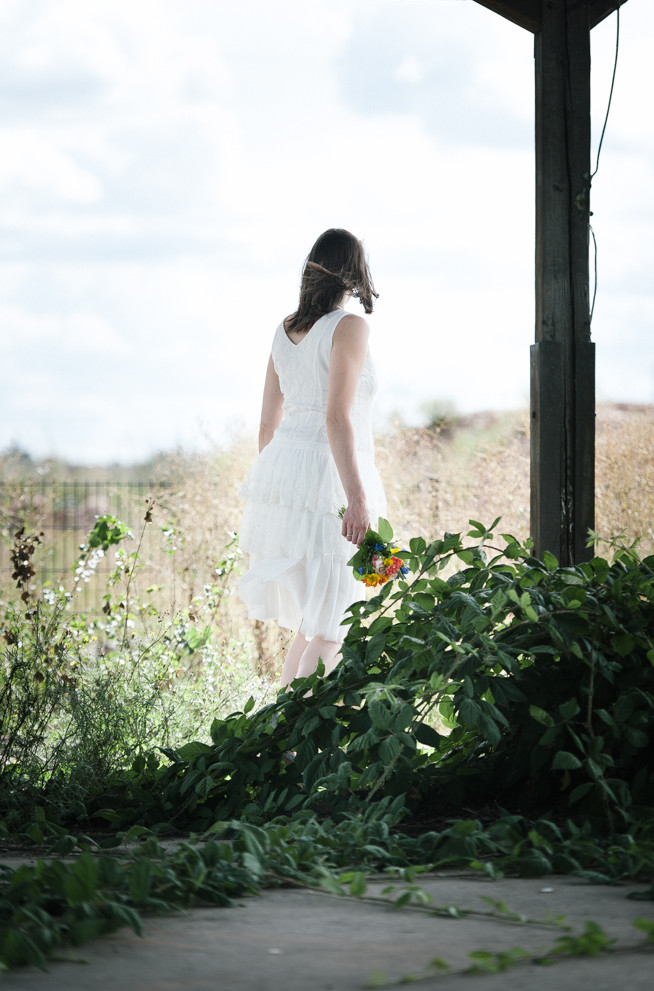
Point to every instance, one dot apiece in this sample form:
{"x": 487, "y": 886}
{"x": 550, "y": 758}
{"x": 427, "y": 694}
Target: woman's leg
{"x": 292, "y": 659}
{"x": 317, "y": 649}
{"x": 302, "y": 660}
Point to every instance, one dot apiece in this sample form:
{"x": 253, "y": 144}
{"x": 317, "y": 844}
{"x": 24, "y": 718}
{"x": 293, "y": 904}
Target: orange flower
{"x": 393, "y": 566}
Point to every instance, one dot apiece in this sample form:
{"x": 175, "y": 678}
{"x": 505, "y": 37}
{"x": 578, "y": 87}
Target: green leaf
{"x": 565, "y": 761}
{"x": 385, "y": 530}
{"x": 389, "y": 749}
{"x": 623, "y": 708}
{"x": 569, "y": 709}
{"x": 217, "y": 730}
{"x": 82, "y": 881}
{"x": 253, "y": 864}
{"x": 605, "y": 717}
{"x": 636, "y": 737}
{"x": 189, "y": 751}
{"x": 427, "y": 735}
{"x": 380, "y": 715}
{"x": 541, "y": 716}
{"x": 417, "y": 545}
{"x": 646, "y": 926}
{"x": 403, "y": 717}
{"x": 439, "y": 964}
{"x": 595, "y": 769}
{"x": 380, "y": 625}
{"x": 329, "y": 882}
{"x": 581, "y": 791}
{"x": 375, "y": 647}
{"x": 140, "y": 878}
{"x": 108, "y": 530}
{"x": 136, "y": 832}
{"x": 623, "y": 644}
{"x": 534, "y": 864}
{"x": 358, "y": 885}
{"x": 469, "y": 712}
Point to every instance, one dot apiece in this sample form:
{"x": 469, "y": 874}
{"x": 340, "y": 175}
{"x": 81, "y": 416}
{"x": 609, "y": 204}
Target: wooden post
{"x": 563, "y": 357}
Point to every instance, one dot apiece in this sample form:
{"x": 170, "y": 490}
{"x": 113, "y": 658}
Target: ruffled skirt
{"x": 298, "y": 571}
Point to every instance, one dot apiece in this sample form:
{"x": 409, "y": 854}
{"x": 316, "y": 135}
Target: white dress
{"x": 291, "y": 528}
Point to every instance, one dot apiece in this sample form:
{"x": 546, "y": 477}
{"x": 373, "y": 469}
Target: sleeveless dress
{"x": 298, "y": 571}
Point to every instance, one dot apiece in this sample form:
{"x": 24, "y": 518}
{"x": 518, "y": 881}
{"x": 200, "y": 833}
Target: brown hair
{"x": 335, "y": 265}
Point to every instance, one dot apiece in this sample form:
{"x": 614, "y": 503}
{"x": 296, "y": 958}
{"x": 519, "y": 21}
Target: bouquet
{"x": 377, "y": 561}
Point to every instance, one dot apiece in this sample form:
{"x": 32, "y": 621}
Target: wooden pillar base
{"x": 562, "y": 452}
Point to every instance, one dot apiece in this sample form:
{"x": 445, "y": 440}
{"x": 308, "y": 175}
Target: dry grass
{"x": 477, "y": 467}
{"x": 474, "y": 467}
{"x": 624, "y": 484}
{"x": 205, "y": 508}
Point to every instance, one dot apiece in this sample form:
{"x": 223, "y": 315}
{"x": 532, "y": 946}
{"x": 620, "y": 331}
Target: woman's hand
{"x": 356, "y": 522}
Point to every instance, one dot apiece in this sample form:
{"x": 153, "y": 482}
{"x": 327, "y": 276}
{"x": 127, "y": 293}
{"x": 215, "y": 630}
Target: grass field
{"x": 473, "y": 467}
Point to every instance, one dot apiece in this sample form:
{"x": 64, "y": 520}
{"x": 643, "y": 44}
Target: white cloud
{"x": 410, "y": 70}
{"x": 33, "y": 164}
{"x": 166, "y": 167}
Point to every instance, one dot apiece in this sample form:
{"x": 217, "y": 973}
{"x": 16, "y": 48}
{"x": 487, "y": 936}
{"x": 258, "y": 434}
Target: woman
{"x": 315, "y": 456}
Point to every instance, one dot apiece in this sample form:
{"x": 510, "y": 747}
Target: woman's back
{"x": 303, "y": 371}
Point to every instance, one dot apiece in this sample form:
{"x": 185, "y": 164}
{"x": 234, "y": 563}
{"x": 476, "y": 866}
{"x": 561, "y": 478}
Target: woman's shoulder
{"x": 353, "y": 319}
{"x": 352, "y": 325}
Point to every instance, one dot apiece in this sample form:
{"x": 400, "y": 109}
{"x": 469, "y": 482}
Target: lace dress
{"x": 298, "y": 571}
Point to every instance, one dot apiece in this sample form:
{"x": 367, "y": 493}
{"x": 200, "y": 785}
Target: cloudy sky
{"x": 165, "y": 167}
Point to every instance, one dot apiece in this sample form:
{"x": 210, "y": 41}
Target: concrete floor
{"x": 297, "y": 940}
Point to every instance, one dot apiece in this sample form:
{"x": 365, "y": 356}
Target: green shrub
{"x": 512, "y": 681}
{"x": 82, "y": 696}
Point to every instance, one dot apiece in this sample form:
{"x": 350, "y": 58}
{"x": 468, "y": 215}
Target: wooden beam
{"x": 562, "y": 359}
{"x": 599, "y": 9}
{"x": 525, "y": 13}
{"x": 528, "y": 14}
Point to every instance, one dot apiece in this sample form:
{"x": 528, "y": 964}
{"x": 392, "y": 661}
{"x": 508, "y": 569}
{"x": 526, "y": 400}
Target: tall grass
{"x": 477, "y": 467}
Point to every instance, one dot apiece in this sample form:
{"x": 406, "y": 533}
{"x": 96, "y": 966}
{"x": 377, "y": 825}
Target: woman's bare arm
{"x": 271, "y": 407}
{"x": 349, "y": 350}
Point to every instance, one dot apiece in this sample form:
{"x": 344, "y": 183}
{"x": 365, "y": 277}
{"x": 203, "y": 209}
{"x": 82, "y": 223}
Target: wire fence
{"x": 65, "y": 512}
